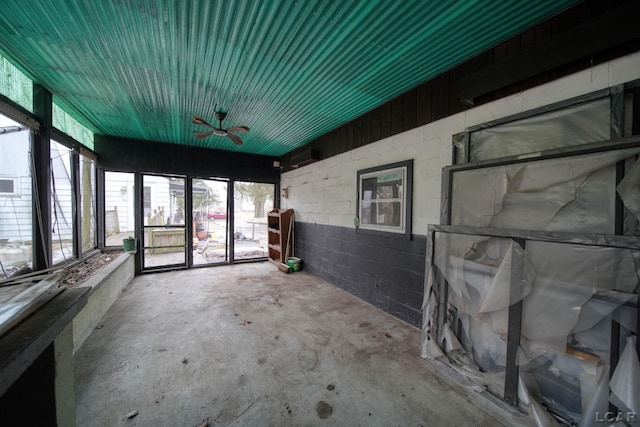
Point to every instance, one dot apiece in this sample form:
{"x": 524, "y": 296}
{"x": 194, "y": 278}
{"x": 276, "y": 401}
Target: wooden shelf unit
{"x": 280, "y": 233}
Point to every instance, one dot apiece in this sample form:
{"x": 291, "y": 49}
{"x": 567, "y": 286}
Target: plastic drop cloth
{"x": 17, "y": 305}
{"x": 570, "y": 294}
{"x": 581, "y": 124}
{"x": 625, "y": 382}
{"x": 565, "y": 194}
{"x": 479, "y": 271}
{"x": 629, "y": 190}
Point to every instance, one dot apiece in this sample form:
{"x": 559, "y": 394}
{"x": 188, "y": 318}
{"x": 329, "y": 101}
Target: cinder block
{"x": 494, "y": 110}
{"x": 625, "y": 69}
{"x": 580, "y": 83}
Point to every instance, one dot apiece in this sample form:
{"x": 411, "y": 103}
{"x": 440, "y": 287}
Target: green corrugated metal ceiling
{"x": 290, "y": 70}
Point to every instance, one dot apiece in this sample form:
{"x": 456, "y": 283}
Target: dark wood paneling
{"x": 440, "y": 96}
{"x": 396, "y": 116}
{"x": 144, "y": 156}
{"x": 455, "y": 79}
{"x": 572, "y": 44}
{"x": 424, "y": 114}
{"x": 385, "y": 120}
{"x": 374, "y": 125}
{"x": 409, "y": 110}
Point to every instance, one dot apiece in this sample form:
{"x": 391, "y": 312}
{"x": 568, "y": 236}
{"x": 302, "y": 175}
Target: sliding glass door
{"x": 163, "y": 224}
{"x": 210, "y": 221}
{"x": 252, "y": 202}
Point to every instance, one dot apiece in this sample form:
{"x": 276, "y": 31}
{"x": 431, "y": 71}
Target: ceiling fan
{"x": 218, "y": 130}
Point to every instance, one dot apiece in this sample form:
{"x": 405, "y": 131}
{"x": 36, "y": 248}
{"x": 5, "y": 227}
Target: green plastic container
{"x": 294, "y": 263}
{"x": 129, "y": 244}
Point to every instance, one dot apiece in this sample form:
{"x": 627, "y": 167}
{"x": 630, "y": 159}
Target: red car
{"x": 216, "y": 215}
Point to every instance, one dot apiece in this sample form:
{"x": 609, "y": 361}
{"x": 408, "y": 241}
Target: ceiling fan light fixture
{"x": 219, "y": 131}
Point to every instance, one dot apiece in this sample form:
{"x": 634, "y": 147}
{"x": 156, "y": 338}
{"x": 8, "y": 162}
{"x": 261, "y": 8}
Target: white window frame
{"x": 404, "y": 198}
{"x": 16, "y": 186}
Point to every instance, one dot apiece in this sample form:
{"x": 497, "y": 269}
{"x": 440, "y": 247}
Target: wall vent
{"x": 305, "y": 158}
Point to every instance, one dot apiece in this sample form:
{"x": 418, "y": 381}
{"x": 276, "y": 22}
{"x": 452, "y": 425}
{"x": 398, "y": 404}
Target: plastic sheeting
{"x": 32, "y": 295}
{"x": 625, "y": 382}
{"x": 581, "y": 124}
{"x": 570, "y": 294}
{"x": 564, "y": 194}
{"x": 629, "y": 190}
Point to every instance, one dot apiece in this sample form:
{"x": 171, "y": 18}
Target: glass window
{"x": 119, "y": 221}
{"x": 252, "y": 202}
{"x": 575, "y": 194}
{"x": 15, "y": 198}
{"x": 571, "y": 126}
{"x": 67, "y": 124}
{"x": 9, "y": 186}
{"x": 88, "y": 203}
{"x": 210, "y": 221}
{"x": 164, "y": 232}
{"x": 384, "y": 197}
{"x": 61, "y": 203}
{"x": 15, "y": 85}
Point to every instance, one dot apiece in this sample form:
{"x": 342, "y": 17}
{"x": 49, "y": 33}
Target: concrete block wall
{"x": 323, "y": 194}
{"x": 106, "y": 286}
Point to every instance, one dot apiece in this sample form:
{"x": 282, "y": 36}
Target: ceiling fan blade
{"x": 200, "y": 121}
{"x": 235, "y": 138}
{"x": 201, "y": 135}
{"x": 238, "y": 129}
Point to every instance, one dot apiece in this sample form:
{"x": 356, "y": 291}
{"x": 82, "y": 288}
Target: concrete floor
{"x": 249, "y": 345}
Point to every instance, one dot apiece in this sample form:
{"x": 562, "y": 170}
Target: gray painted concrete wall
{"x": 387, "y": 273}
{"x": 106, "y": 286}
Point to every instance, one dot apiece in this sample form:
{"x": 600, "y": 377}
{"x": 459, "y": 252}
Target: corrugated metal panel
{"x": 290, "y": 70}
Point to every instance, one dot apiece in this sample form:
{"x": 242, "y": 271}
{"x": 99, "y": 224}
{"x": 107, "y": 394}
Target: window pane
{"x": 15, "y": 85}
{"x": 87, "y": 203}
{"x": 382, "y": 199}
{"x": 63, "y": 121}
{"x": 252, "y": 202}
{"x": 164, "y": 232}
{"x": 119, "y": 211}
{"x": 61, "y": 203}
{"x": 15, "y": 207}
{"x": 574, "y": 194}
{"x": 581, "y": 124}
{"x": 209, "y": 221}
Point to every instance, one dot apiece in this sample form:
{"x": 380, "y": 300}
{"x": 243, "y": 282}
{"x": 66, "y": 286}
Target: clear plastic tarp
{"x": 570, "y": 295}
{"x": 573, "y": 194}
{"x": 577, "y": 125}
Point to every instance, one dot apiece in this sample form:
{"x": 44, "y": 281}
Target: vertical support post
{"x": 100, "y": 208}
{"x": 138, "y": 210}
{"x": 614, "y": 355}
{"x": 76, "y": 195}
{"x": 231, "y": 218}
{"x": 617, "y": 112}
{"x": 513, "y": 331}
{"x": 445, "y": 203}
{"x": 276, "y": 195}
{"x": 41, "y": 172}
{"x": 190, "y": 227}
{"x": 467, "y": 146}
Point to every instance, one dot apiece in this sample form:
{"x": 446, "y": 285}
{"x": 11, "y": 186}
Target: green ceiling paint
{"x": 291, "y": 70}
